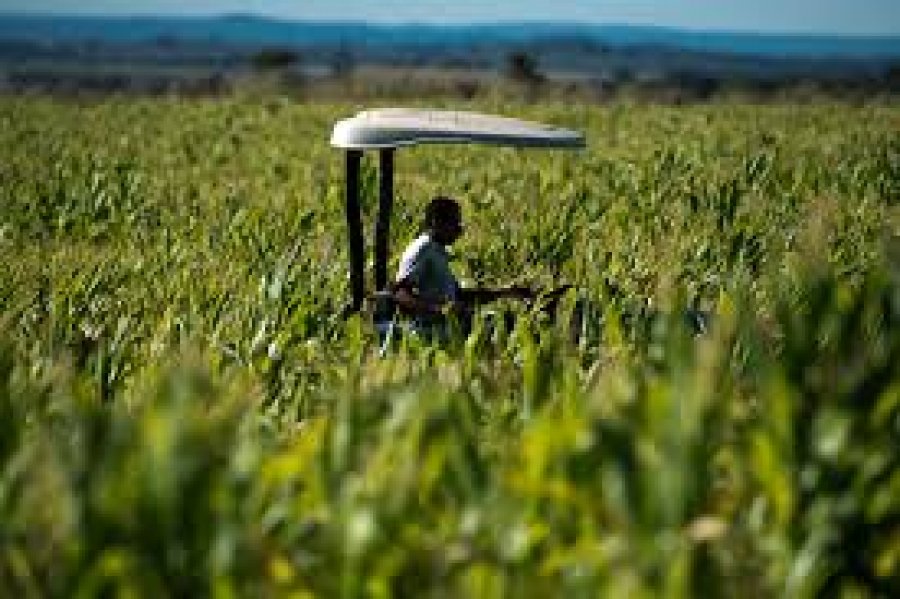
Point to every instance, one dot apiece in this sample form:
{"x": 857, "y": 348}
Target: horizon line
{"x": 377, "y": 23}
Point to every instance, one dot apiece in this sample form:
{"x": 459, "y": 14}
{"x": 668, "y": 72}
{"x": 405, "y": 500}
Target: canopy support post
{"x": 383, "y": 226}
{"x": 355, "y": 233}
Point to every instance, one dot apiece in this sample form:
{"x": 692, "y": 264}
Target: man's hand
{"x": 520, "y": 292}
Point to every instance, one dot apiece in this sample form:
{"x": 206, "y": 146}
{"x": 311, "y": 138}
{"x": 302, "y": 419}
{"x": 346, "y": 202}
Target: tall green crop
{"x": 184, "y": 411}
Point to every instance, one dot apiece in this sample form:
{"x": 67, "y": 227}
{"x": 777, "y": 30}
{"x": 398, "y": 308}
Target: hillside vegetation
{"x": 183, "y": 412}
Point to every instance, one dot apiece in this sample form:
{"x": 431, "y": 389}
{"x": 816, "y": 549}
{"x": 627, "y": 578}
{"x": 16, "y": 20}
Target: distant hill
{"x": 209, "y": 55}
{"x": 255, "y": 31}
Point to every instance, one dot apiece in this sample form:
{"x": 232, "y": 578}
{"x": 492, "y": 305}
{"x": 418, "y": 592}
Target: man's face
{"x": 449, "y": 229}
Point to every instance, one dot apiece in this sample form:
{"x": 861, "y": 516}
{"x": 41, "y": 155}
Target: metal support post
{"x": 355, "y": 233}
{"x": 383, "y": 226}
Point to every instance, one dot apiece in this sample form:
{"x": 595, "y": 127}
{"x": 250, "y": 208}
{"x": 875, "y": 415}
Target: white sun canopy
{"x": 395, "y": 127}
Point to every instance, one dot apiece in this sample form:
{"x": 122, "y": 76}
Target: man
{"x": 425, "y": 287}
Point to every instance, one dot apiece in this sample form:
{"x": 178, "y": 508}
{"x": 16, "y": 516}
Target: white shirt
{"x": 426, "y": 266}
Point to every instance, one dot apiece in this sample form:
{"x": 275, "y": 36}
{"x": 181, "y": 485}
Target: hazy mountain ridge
{"x": 254, "y": 31}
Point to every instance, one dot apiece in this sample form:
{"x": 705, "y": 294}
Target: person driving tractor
{"x": 425, "y": 287}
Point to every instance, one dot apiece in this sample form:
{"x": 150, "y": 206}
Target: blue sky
{"x": 861, "y": 17}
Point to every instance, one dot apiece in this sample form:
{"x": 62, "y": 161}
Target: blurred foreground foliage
{"x": 184, "y": 414}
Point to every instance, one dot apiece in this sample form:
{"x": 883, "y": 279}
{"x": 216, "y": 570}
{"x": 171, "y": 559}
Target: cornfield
{"x": 184, "y": 412}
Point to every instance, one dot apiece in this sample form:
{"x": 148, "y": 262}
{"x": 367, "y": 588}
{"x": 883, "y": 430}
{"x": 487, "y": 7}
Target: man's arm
{"x": 412, "y": 303}
{"x": 484, "y": 295}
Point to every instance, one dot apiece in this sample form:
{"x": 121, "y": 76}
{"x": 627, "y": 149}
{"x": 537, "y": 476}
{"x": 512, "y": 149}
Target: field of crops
{"x": 183, "y": 411}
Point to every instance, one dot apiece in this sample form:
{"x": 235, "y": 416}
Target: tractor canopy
{"x": 397, "y": 127}
{"x": 387, "y": 129}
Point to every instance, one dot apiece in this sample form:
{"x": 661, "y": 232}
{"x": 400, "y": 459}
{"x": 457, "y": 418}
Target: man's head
{"x": 443, "y": 220}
